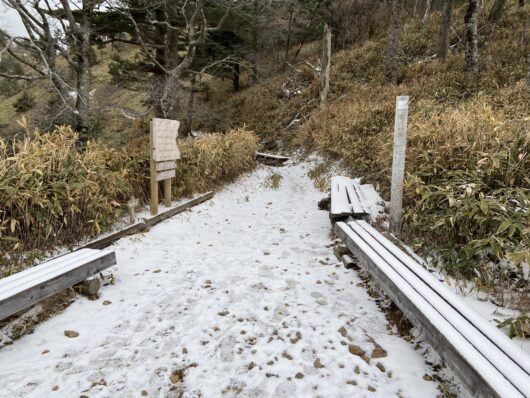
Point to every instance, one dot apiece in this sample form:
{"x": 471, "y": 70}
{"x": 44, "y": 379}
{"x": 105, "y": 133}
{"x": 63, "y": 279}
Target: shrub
{"x": 52, "y": 193}
{"x": 206, "y": 163}
{"x": 24, "y": 103}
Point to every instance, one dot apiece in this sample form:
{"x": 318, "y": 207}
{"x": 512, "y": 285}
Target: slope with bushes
{"x": 52, "y": 193}
{"x": 467, "y": 193}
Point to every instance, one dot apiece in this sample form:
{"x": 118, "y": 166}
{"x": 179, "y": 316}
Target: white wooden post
{"x": 398, "y": 163}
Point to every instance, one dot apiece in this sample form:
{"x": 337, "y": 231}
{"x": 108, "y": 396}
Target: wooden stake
{"x": 325, "y": 64}
{"x": 153, "y": 182}
{"x": 398, "y": 163}
{"x": 167, "y": 192}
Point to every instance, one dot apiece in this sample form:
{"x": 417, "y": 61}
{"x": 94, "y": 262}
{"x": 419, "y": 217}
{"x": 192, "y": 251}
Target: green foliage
{"x": 518, "y": 327}
{"x": 470, "y": 223}
{"x": 24, "y": 103}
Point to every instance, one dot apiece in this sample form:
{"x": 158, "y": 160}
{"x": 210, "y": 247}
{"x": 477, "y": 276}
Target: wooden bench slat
{"x": 52, "y": 263}
{"x": 40, "y": 285}
{"x": 477, "y": 338}
{"x": 340, "y": 205}
{"x": 36, "y": 275}
{"x": 481, "y": 325}
{"x": 477, "y": 372}
{"x": 356, "y": 199}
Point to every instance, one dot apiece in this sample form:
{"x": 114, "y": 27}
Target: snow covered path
{"x": 242, "y": 297}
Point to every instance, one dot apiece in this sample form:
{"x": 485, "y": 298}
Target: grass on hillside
{"x": 467, "y": 193}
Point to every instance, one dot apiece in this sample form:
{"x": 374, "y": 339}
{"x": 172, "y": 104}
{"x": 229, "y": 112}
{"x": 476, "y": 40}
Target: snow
{"x": 237, "y": 297}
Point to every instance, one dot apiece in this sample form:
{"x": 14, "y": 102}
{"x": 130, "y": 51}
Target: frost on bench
{"x": 485, "y": 359}
{"x": 347, "y": 199}
{"x": 26, "y": 288}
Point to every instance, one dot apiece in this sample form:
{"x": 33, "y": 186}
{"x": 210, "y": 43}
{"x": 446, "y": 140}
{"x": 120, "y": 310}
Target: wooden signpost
{"x": 398, "y": 163}
{"x": 163, "y": 154}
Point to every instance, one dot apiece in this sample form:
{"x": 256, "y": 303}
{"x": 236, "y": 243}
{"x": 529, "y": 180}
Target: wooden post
{"x": 153, "y": 181}
{"x": 398, "y": 163}
{"x": 167, "y": 192}
{"x": 325, "y": 64}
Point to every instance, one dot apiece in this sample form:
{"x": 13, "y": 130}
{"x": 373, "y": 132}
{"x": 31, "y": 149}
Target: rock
{"x": 89, "y": 287}
{"x": 343, "y": 331}
{"x": 106, "y": 302}
{"x": 317, "y": 364}
{"x": 144, "y": 393}
{"x": 351, "y": 382}
{"x": 357, "y": 370}
{"x": 176, "y": 376}
{"x": 372, "y": 389}
{"x": 251, "y": 365}
{"x": 71, "y": 333}
{"x": 379, "y": 352}
{"x": 325, "y": 203}
{"x": 55, "y": 388}
{"x": 299, "y": 375}
{"x": 156, "y": 271}
{"x": 224, "y": 312}
{"x": 356, "y": 350}
{"x": 426, "y": 377}
{"x": 381, "y": 367}
{"x": 45, "y": 352}
{"x": 340, "y": 250}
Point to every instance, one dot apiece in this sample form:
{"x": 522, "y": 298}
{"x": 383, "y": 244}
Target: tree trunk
{"x": 160, "y": 81}
{"x": 496, "y": 10}
{"x": 470, "y": 20}
{"x": 443, "y": 34}
{"x": 83, "y": 74}
{"x": 236, "y": 77}
{"x": 394, "y": 27}
{"x": 427, "y": 12}
{"x": 325, "y": 64}
{"x": 189, "y": 111}
{"x": 521, "y": 3}
{"x": 255, "y": 36}
{"x": 304, "y": 37}
{"x": 528, "y": 74}
{"x": 288, "y": 41}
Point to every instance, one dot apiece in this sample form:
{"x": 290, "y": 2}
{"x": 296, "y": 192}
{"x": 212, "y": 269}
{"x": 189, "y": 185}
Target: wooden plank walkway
{"x": 270, "y": 159}
{"x": 347, "y": 199}
{"x": 487, "y": 362}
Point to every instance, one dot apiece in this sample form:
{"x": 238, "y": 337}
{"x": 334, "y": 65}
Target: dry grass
{"x": 467, "y": 190}
{"x": 52, "y": 193}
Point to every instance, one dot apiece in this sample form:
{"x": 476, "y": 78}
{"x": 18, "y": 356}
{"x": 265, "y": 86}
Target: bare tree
{"x": 471, "y": 36}
{"x": 445, "y": 26}
{"x": 427, "y": 12}
{"x": 496, "y": 10}
{"x": 392, "y": 50}
{"x": 56, "y": 30}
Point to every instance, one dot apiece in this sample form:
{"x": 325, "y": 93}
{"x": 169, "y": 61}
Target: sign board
{"x": 164, "y": 152}
{"x": 164, "y": 144}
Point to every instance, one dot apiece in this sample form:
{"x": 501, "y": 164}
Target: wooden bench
{"x": 347, "y": 200}
{"x": 486, "y": 361}
{"x": 26, "y": 288}
{"x": 270, "y": 159}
